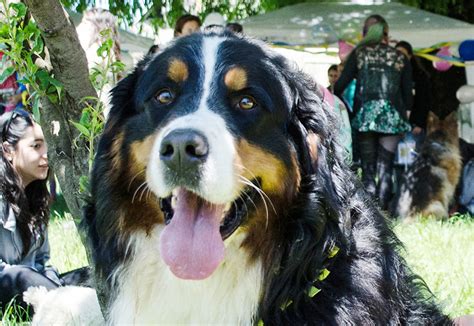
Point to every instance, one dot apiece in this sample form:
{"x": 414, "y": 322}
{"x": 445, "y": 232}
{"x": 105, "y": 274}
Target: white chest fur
{"x": 150, "y": 294}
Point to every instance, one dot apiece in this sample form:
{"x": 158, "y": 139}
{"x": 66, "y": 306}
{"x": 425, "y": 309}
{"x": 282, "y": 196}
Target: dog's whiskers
{"x": 262, "y": 194}
{"x": 255, "y": 177}
{"x": 138, "y": 189}
{"x": 134, "y": 177}
{"x": 145, "y": 189}
{"x": 243, "y": 201}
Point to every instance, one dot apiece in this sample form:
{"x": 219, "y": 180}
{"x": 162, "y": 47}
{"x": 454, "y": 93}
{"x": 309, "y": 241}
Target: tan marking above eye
{"x": 178, "y": 70}
{"x": 236, "y": 79}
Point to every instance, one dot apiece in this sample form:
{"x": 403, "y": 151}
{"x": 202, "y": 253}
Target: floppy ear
{"x": 122, "y": 97}
{"x": 319, "y": 217}
{"x": 320, "y": 126}
{"x": 313, "y": 142}
{"x": 310, "y": 125}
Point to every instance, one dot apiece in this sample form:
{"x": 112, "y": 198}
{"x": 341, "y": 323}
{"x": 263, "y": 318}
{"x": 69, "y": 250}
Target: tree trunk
{"x": 69, "y": 66}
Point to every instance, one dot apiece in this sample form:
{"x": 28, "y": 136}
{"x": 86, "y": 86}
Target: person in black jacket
{"x": 423, "y": 98}
{"x": 24, "y": 212}
{"x": 383, "y": 96}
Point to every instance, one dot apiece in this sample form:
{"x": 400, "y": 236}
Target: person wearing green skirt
{"x": 383, "y": 96}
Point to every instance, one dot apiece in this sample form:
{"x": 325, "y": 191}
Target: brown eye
{"x": 247, "y": 103}
{"x": 164, "y": 96}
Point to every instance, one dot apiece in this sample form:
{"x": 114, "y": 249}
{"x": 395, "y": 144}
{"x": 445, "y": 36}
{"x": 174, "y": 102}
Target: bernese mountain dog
{"x": 219, "y": 196}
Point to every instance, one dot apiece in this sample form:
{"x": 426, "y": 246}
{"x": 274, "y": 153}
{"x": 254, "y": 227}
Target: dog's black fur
{"x": 369, "y": 282}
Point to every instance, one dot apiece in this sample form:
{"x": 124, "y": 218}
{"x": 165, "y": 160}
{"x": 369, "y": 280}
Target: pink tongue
{"x": 191, "y": 245}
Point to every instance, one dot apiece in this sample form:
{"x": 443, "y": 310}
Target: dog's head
{"x": 212, "y": 137}
{"x": 443, "y": 130}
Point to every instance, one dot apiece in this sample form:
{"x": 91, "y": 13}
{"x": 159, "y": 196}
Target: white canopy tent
{"x": 321, "y": 24}
{"x": 318, "y": 23}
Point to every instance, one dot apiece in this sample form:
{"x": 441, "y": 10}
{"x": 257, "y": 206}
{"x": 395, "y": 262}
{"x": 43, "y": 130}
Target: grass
{"x": 67, "y": 251}
{"x": 442, "y": 253}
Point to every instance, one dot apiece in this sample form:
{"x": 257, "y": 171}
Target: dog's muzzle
{"x": 183, "y": 152}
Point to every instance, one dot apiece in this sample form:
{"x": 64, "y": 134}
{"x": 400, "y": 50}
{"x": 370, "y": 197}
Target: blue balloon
{"x": 466, "y": 50}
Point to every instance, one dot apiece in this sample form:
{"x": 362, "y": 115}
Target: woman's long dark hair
{"x": 414, "y": 60}
{"x": 30, "y": 204}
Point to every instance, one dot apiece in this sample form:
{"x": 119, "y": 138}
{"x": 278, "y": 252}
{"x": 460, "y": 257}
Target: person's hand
{"x": 416, "y": 130}
{"x": 14, "y": 99}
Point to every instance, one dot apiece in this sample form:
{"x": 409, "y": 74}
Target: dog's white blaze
{"x": 218, "y": 181}
{"x": 209, "y": 53}
{"x": 150, "y": 293}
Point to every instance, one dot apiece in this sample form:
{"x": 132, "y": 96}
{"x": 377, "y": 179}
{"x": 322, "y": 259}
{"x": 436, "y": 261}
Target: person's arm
{"x": 406, "y": 86}
{"x": 348, "y": 74}
{"x": 42, "y": 255}
{"x": 4, "y": 240}
{"x": 41, "y": 260}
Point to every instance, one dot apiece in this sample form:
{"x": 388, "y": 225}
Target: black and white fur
{"x": 312, "y": 202}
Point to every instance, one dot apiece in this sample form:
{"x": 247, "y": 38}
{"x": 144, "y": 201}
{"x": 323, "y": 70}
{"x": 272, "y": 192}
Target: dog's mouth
{"x": 191, "y": 243}
{"x": 235, "y": 213}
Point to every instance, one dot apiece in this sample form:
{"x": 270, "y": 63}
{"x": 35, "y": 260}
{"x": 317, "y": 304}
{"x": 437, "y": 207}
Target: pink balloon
{"x": 344, "y": 50}
{"x": 442, "y": 65}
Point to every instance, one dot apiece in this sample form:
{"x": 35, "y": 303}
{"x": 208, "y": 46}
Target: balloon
{"x": 465, "y": 94}
{"x": 442, "y": 65}
{"x": 344, "y": 50}
{"x": 466, "y": 50}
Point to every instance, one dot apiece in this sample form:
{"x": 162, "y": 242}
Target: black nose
{"x": 184, "y": 150}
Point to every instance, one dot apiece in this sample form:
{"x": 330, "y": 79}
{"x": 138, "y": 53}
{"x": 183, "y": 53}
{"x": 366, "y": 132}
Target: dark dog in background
{"x": 429, "y": 186}
{"x": 219, "y": 196}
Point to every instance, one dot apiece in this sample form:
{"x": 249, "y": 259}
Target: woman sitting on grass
{"x": 24, "y": 211}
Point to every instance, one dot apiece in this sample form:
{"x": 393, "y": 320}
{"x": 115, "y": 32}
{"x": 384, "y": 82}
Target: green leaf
{"x": 30, "y": 29}
{"x": 20, "y": 37}
{"x": 53, "y": 98}
{"x": 38, "y": 44}
{"x": 85, "y": 118}
{"x": 58, "y": 87}
{"x": 105, "y": 47}
{"x": 20, "y": 9}
{"x": 118, "y": 66}
{"x": 7, "y": 73}
{"x": 36, "y": 110}
{"x": 82, "y": 129}
{"x": 42, "y": 78}
{"x": 4, "y": 32}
